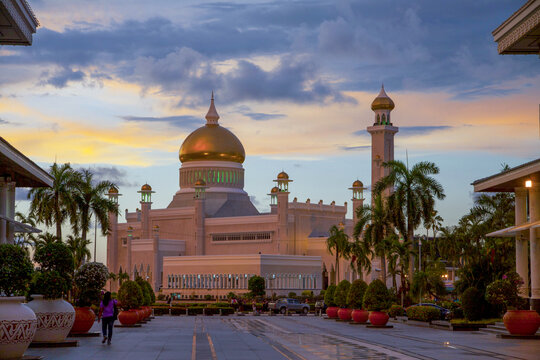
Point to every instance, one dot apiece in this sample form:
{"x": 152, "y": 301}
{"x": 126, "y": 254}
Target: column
{"x": 522, "y": 241}
{"x": 534, "y": 234}
{"x": 3, "y": 210}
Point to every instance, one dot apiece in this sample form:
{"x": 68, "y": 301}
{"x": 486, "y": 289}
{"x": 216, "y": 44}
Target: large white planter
{"x": 54, "y": 318}
{"x": 17, "y": 327}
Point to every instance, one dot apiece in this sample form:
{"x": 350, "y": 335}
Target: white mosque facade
{"x": 211, "y": 239}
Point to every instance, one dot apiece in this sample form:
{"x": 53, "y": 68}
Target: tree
{"x": 45, "y": 239}
{"x": 54, "y": 205}
{"x": 79, "y": 249}
{"x": 413, "y": 196}
{"x": 122, "y": 276}
{"x": 26, "y": 239}
{"x": 360, "y": 250}
{"x": 338, "y": 244}
{"x": 90, "y": 199}
{"x": 256, "y": 285}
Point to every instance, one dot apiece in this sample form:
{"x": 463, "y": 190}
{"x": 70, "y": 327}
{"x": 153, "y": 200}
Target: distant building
{"x": 211, "y": 239}
{"x": 520, "y": 33}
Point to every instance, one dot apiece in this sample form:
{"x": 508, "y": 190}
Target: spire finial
{"x": 212, "y": 116}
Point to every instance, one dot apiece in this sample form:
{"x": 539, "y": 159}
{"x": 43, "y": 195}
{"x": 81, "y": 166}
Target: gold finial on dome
{"x": 382, "y": 101}
{"x": 212, "y": 116}
{"x": 146, "y": 187}
{"x": 283, "y": 176}
{"x": 274, "y": 190}
{"x": 357, "y": 183}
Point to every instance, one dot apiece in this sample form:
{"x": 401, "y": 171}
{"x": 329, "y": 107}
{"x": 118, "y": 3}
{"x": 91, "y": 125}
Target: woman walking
{"x": 107, "y": 311}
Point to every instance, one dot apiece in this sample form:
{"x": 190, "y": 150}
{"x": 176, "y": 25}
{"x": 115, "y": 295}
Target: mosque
{"x": 211, "y": 239}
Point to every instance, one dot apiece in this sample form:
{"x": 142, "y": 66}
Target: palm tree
{"x": 398, "y": 260}
{"x": 26, "y": 239}
{"x": 90, "y": 199}
{"x": 361, "y": 252}
{"x": 122, "y": 276}
{"x": 45, "y": 239}
{"x": 54, "y": 205}
{"x": 338, "y": 243}
{"x": 79, "y": 250}
{"x": 413, "y": 196}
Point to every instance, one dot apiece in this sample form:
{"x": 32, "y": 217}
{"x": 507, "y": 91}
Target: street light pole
{"x": 420, "y": 264}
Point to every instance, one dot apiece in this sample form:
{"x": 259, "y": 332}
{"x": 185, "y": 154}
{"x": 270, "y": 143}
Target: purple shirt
{"x": 108, "y": 310}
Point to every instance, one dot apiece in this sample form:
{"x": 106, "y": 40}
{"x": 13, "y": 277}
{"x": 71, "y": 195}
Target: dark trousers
{"x": 107, "y": 326}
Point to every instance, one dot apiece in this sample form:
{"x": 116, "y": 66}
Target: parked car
{"x": 320, "y": 305}
{"x": 282, "y": 305}
{"x": 445, "y": 313}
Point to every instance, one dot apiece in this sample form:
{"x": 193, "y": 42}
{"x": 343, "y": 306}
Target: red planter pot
{"x": 378, "y": 318}
{"x": 332, "y": 312}
{"x": 129, "y": 317}
{"x": 360, "y": 316}
{"x": 148, "y": 312}
{"x": 344, "y": 314}
{"x": 84, "y": 319}
{"x": 521, "y": 322}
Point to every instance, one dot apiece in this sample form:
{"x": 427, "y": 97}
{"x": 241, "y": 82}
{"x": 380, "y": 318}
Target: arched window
{"x": 383, "y": 119}
{"x": 378, "y": 119}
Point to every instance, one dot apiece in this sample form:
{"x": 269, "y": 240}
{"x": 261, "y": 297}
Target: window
{"x": 251, "y": 236}
{"x": 124, "y": 241}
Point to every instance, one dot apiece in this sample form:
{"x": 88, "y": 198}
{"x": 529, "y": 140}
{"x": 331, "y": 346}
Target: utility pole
{"x": 95, "y": 236}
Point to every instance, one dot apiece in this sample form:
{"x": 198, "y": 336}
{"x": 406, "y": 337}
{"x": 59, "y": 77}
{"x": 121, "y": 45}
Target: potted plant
{"x": 130, "y": 297}
{"x": 340, "y": 297}
{"x": 147, "y": 299}
{"x": 331, "y": 310}
{"x": 355, "y": 298}
{"x": 505, "y": 292}
{"x": 18, "y": 322}
{"x": 50, "y": 283}
{"x": 377, "y": 299}
{"x": 89, "y": 280}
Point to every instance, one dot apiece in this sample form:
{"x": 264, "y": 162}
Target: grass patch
{"x": 476, "y": 322}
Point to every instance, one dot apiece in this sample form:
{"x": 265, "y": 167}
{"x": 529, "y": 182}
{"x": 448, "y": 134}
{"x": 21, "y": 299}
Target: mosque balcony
{"x": 308, "y": 206}
{"x": 165, "y": 245}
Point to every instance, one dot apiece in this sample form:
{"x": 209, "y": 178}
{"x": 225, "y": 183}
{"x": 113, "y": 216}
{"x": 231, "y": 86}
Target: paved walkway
{"x": 289, "y": 338}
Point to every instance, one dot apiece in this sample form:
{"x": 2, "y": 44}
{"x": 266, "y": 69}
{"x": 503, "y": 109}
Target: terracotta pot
{"x": 54, "y": 318}
{"x": 128, "y": 317}
{"x": 148, "y": 311}
{"x": 360, "y": 316}
{"x": 84, "y": 319}
{"x": 521, "y": 322}
{"x": 18, "y": 325}
{"x": 332, "y": 312}
{"x": 378, "y": 318}
{"x": 344, "y": 314}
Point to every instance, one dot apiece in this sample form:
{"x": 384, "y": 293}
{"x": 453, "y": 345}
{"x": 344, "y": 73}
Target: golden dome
{"x": 146, "y": 187}
{"x": 283, "y": 176}
{"x": 357, "y": 183}
{"x": 200, "y": 182}
{"x": 382, "y": 102}
{"x": 113, "y": 190}
{"x": 212, "y": 142}
{"x": 274, "y": 190}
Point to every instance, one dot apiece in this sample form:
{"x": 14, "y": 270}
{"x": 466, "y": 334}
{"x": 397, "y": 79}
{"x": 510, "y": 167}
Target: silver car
{"x": 282, "y": 305}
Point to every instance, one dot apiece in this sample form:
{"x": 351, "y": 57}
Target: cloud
{"x": 61, "y": 78}
{"x": 186, "y": 122}
{"x": 114, "y": 174}
{"x": 263, "y": 116}
{"x": 5, "y": 122}
{"x": 354, "y": 148}
{"x": 21, "y": 194}
{"x": 412, "y": 130}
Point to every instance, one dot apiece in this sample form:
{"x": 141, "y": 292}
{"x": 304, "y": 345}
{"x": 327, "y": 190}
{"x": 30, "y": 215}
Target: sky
{"x": 117, "y": 86}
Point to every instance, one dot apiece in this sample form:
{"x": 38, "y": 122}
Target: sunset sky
{"x": 118, "y": 85}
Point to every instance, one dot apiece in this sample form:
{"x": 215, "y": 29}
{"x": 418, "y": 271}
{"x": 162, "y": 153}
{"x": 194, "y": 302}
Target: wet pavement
{"x": 290, "y": 338}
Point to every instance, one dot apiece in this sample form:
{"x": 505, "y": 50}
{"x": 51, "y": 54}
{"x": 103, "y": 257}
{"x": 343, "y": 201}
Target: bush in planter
{"x": 472, "y": 304}
{"x": 423, "y": 313}
{"x": 130, "y": 295}
{"x": 146, "y": 299}
{"x": 89, "y": 280}
{"x": 15, "y": 270}
{"x": 292, "y": 294}
{"x": 355, "y": 297}
{"x": 150, "y": 291}
{"x": 504, "y": 293}
{"x": 256, "y": 285}
{"x": 376, "y": 297}
{"x": 51, "y": 284}
{"x": 329, "y": 295}
{"x": 342, "y": 290}
{"x": 55, "y": 256}
{"x": 396, "y": 310}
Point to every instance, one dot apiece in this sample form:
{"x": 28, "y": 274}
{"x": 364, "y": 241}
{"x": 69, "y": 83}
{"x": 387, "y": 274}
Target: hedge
{"x": 396, "y": 310}
{"x": 194, "y": 310}
{"x": 472, "y": 304}
{"x": 423, "y": 313}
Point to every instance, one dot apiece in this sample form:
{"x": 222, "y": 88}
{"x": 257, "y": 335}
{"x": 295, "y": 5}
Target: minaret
{"x": 273, "y": 199}
{"x": 283, "y": 212}
{"x": 382, "y": 137}
{"x": 200, "y": 188}
{"x": 357, "y": 198}
{"x": 146, "y": 206}
{"x": 112, "y": 236}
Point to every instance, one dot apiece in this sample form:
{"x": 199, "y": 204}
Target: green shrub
{"x": 207, "y": 297}
{"x": 471, "y": 301}
{"x": 161, "y": 297}
{"x": 51, "y": 284}
{"x": 146, "y": 299}
{"x": 396, "y": 310}
{"x": 504, "y": 293}
{"x": 307, "y": 294}
{"x": 342, "y": 290}
{"x": 329, "y": 295}
{"x": 376, "y": 297}
{"x": 355, "y": 297}
{"x": 150, "y": 292}
{"x": 423, "y": 313}
{"x": 89, "y": 280}
{"x": 292, "y": 294}
{"x": 130, "y": 295}
{"x": 15, "y": 270}
{"x": 55, "y": 256}
{"x": 256, "y": 285}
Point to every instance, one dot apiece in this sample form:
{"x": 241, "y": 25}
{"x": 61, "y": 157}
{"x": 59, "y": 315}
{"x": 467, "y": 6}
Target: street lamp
{"x": 420, "y": 263}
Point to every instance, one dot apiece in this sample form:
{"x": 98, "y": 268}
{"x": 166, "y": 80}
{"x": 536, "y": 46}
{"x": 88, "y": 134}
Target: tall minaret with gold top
{"x": 382, "y": 137}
